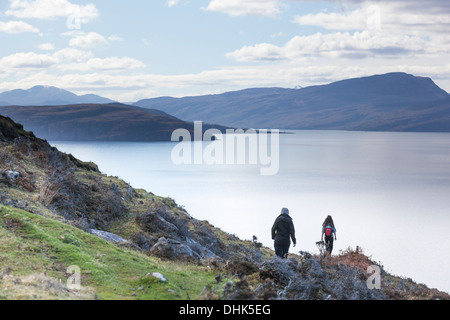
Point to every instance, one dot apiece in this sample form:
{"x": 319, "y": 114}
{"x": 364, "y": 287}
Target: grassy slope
{"x": 36, "y": 251}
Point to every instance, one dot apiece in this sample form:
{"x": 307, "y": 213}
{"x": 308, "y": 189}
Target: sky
{"x": 136, "y": 49}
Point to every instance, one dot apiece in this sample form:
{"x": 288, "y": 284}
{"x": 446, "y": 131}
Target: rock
{"x": 158, "y": 276}
{"x": 204, "y": 252}
{"x": 13, "y": 175}
{"x": 279, "y": 270}
{"x": 107, "y": 236}
{"x": 153, "y": 222}
{"x": 9, "y": 176}
{"x": 173, "y": 250}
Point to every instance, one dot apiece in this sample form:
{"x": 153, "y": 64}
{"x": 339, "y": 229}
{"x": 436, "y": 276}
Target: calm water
{"x": 388, "y": 193}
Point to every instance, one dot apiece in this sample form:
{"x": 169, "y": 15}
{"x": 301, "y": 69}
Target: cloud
{"x": 357, "y": 45}
{"x": 258, "y": 52}
{"x": 68, "y": 59}
{"x": 105, "y": 64}
{"x": 432, "y": 6}
{"x": 15, "y": 27}
{"x": 115, "y": 38}
{"x": 410, "y": 17}
{"x": 414, "y": 9}
{"x": 268, "y": 8}
{"x": 364, "y": 33}
{"x": 354, "y": 20}
{"x": 172, "y": 3}
{"x": 32, "y": 60}
{"x": 27, "y": 60}
{"x": 46, "y": 9}
{"x": 47, "y": 46}
{"x": 115, "y": 63}
{"x": 72, "y": 55}
{"x": 89, "y": 40}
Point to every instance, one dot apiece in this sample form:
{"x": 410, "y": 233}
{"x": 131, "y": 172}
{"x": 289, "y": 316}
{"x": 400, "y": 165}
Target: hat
{"x": 284, "y": 211}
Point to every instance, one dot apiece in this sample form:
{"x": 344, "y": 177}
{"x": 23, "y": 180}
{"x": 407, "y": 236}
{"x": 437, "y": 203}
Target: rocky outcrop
{"x": 178, "y": 235}
{"x": 310, "y": 277}
{"x": 174, "y": 250}
{"x": 188, "y": 250}
{"x": 108, "y": 236}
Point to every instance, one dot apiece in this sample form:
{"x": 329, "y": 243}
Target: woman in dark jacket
{"x": 282, "y": 232}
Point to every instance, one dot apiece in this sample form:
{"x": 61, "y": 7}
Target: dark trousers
{"x": 282, "y": 249}
{"x": 329, "y": 243}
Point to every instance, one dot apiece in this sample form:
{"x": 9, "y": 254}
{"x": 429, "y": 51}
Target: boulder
{"x": 174, "y": 250}
{"x": 279, "y": 270}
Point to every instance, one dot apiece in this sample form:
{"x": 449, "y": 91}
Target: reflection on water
{"x": 387, "y": 192}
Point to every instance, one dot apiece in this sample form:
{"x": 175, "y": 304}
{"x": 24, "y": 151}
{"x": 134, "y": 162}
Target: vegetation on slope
{"x": 37, "y": 253}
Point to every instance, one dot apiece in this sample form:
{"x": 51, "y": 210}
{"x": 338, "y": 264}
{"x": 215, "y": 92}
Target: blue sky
{"x": 129, "y": 50}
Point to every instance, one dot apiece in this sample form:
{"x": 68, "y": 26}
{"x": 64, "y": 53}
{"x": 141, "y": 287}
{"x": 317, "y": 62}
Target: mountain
{"x": 61, "y": 218}
{"x": 388, "y": 102}
{"x": 46, "y": 95}
{"x": 98, "y": 122}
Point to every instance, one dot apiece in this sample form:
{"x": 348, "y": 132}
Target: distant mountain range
{"x": 98, "y": 122}
{"x": 389, "y": 102}
{"x": 48, "y": 96}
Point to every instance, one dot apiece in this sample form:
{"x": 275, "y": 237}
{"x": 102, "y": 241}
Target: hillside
{"x": 97, "y": 122}
{"x": 45, "y": 95}
{"x": 57, "y": 212}
{"x": 389, "y": 102}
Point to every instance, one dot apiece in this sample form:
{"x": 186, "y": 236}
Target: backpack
{"x": 328, "y": 231}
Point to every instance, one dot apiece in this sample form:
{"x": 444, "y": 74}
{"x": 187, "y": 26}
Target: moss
{"x": 32, "y": 245}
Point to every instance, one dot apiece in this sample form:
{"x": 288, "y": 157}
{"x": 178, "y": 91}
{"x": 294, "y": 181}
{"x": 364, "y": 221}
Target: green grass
{"x": 33, "y": 245}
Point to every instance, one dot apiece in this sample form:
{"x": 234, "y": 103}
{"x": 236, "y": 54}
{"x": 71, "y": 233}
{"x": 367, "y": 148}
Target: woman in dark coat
{"x": 282, "y": 232}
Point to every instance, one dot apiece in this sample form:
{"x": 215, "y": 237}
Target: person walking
{"x": 282, "y": 232}
{"x": 329, "y": 231}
